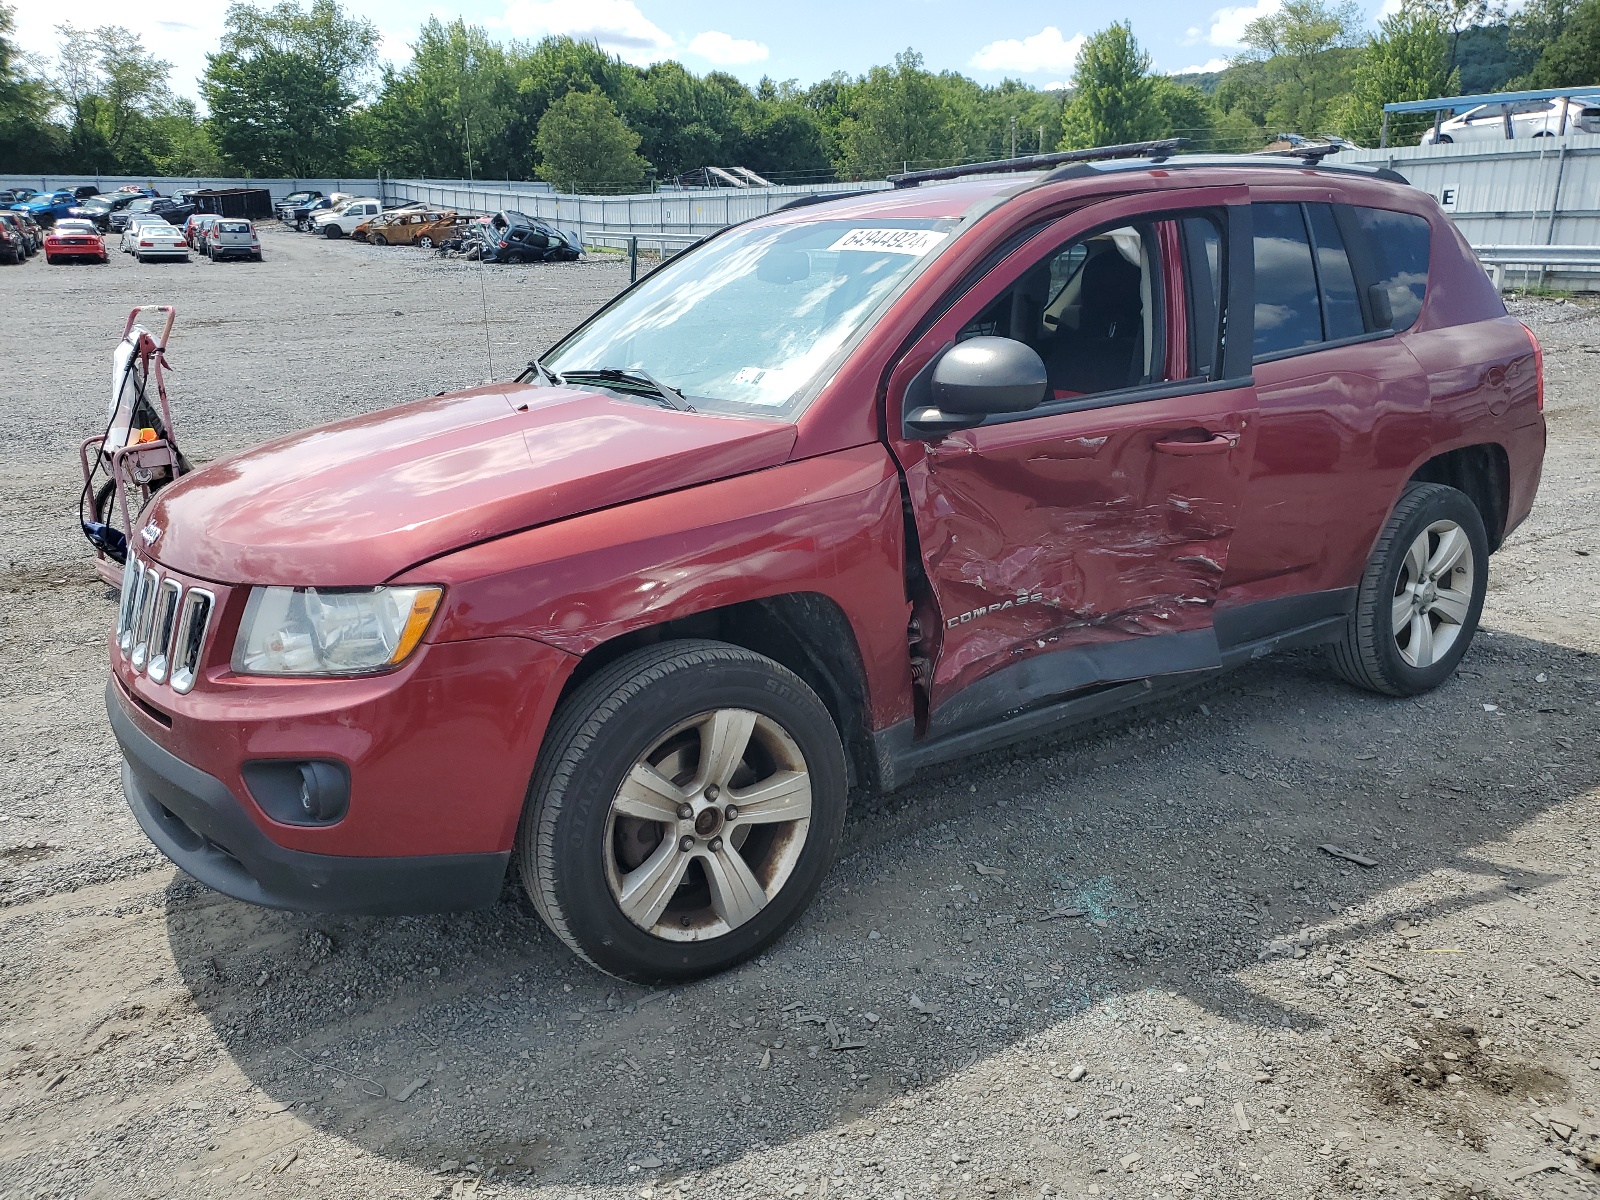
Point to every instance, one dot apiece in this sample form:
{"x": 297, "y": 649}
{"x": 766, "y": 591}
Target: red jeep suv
{"x": 839, "y": 494}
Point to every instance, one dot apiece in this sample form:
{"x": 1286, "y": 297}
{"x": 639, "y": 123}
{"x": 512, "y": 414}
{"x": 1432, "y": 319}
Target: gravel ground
{"x": 1114, "y": 965}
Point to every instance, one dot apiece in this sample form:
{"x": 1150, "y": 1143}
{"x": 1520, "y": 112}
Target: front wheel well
{"x": 1483, "y": 472}
{"x": 804, "y": 631}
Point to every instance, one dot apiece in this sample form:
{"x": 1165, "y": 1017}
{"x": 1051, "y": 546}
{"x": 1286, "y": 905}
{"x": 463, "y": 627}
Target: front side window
{"x": 745, "y": 323}
{"x": 1399, "y": 246}
{"x": 1090, "y": 310}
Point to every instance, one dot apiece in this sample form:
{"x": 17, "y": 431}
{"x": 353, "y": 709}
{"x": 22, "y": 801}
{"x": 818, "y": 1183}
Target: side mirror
{"x": 977, "y": 378}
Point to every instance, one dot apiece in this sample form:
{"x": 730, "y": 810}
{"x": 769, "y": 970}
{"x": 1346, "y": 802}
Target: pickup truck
{"x": 170, "y": 210}
{"x": 342, "y": 221}
{"x": 284, "y": 208}
{"x": 47, "y": 206}
{"x": 838, "y": 495}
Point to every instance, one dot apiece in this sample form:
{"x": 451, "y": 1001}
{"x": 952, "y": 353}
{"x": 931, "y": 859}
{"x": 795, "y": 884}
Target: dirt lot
{"x": 1231, "y": 1012}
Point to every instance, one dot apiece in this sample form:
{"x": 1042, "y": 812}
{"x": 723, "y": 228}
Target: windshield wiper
{"x": 543, "y": 372}
{"x": 670, "y": 396}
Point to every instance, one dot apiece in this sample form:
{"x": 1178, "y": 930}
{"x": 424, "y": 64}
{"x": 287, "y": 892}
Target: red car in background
{"x": 839, "y": 495}
{"x": 73, "y": 240}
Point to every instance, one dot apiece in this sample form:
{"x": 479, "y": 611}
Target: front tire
{"x": 689, "y": 802}
{"x": 1421, "y": 596}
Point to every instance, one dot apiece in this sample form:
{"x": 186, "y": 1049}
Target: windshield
{"x": 745, "y": 323}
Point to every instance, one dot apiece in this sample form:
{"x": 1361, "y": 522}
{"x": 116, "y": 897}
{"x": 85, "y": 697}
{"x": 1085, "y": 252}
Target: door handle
{"x": 1217, "y": 443}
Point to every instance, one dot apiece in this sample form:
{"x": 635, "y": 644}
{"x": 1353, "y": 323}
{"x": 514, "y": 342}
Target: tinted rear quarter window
{"x": 1341, "y": 310}
{"x": 1398, "y": 243}
{"x": 1287, "y": 314}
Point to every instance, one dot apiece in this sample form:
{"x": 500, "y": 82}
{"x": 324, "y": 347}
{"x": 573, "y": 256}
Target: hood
{"x": 356, "y": 502}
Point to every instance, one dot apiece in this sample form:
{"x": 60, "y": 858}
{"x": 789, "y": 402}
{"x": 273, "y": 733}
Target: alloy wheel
{"x": 708, "y": 825}
{"x": 1433, "y": 593}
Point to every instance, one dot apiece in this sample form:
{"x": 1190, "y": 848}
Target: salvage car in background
{"x": 403, "y": 228}
{"x": 165, "y": 207}
{"x": 285, "y": 208}
{"x": 441, "y": 230}
{"x": 536, "y": 242}
{"x": 301, "y": 215}
{"x": 232, "y": 238}
{"x": 25, "y": 228}
{"x": 150, "y": 239}
{"x": 74, "y": 240}
{"x": 1529, "y": 118}
{"x": 341, "y": 221}
{"x": 46, "y": 207}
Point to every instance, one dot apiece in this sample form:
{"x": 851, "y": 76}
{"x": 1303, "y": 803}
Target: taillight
{"x": 503, "y": 245}
{"x": 1538, "y": 365}
{"x": 142, "y": 244}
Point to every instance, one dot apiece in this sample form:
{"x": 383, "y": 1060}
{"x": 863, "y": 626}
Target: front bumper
{"x": 201, "y": 826}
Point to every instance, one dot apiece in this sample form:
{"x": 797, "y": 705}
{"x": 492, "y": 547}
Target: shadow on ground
{"x": 1187, "y": 834}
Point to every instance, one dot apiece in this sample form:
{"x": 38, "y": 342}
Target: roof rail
{"x": 1313, "y": 152}
{"x": 1037, "y": 162}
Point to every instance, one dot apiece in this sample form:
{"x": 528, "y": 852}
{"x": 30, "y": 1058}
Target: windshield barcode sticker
{"x": 890, "y": 241}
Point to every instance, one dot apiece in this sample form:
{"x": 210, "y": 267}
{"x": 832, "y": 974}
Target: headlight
{"x": 341, "y": 631}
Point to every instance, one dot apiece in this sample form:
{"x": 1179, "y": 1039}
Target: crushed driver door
{"x": 1083, "y": 542}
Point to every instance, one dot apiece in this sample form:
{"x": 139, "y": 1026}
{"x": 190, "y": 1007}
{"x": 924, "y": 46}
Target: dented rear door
{"x": 1084, "y": 543}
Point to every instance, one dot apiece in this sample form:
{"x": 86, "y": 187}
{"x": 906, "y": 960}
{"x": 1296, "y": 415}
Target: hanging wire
{"x": 483, "y": 283}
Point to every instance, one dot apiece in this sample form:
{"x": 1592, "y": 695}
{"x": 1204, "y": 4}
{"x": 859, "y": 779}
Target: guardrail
{"x": 666, "y": 245}
{"x": 1497, "y": 258}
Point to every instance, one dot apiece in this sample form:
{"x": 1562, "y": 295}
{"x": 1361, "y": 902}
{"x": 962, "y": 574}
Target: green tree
{"x": 27, "y": 139}
{"x": 1305, "y": 51}
{"x": 448, "y": 112}
{"x": 1534, "y": 27}
{"x": 111, "y": 87}
{"x": 1573, "y": 58}
{"x": 284, "y": 85}
{"x": 585, "y": 145}
{"x": 1407, "y": 59}
{"x": 1186, "y": 112}
{"x": 897, "y": 116}
{"x": 1114, "y": 95}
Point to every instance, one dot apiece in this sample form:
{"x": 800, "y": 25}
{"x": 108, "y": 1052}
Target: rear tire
{"x": 1419, "y": 601}
{"x": 620, "y": 792}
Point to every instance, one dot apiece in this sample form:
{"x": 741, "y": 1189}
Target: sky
{"x": 1023, "y": 39}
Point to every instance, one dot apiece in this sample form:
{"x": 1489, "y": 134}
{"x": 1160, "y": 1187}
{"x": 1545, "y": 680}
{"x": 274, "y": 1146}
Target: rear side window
{"x": 1341, "y": 310}
{"x": 1288, "y": 315}
{"x": 1398, "y": 243}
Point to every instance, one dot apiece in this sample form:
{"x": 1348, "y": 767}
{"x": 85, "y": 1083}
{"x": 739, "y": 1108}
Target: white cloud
{"x": 1205, "y": 68}
{"x": 726, "y": 50}
{"x": 1046, "y": 50}
{"x": 395, "y": 47}
{"x": 1227, "y": 24}
{"x": 1059, "y": 85}
{"x": 617, "y": 25}
{"x": 182, "y": 40}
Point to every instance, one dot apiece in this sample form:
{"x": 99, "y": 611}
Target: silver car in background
{"x": 1529, "y": 118}
{"x": 233, "y": 237}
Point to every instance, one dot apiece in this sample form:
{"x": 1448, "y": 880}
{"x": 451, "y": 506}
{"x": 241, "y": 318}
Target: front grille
{"x": 162, "y": 625}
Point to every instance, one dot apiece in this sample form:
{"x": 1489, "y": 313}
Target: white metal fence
{"x": 1529, "y": 192}
{"x": 687, "y": 213}
{"x": 167, "y": 184}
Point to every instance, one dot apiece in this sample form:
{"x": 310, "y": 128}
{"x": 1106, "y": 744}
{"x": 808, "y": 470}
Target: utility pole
{"x": 1041, "y": 139}
{"x": 1013, "y": 136}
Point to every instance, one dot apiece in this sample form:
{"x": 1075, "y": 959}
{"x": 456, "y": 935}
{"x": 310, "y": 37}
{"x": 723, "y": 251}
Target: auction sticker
{"x": 890, "y": 241}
